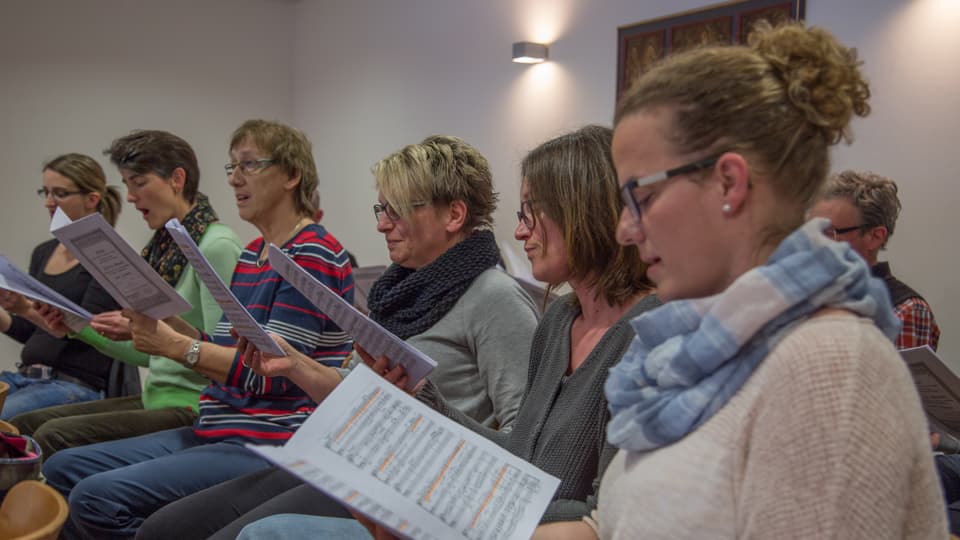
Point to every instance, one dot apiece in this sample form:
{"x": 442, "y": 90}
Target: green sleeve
{"x": 222, "y": 253}
{"x": 118, "y": 350}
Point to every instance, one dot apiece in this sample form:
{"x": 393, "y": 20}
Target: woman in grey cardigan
{"x": 443, "y": 294}
{"x": 568, "y": 214}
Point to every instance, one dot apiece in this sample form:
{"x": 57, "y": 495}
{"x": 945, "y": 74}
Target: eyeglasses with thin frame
{"x": 380, "y": 209}
{"x": 526, "y": 215}
{"x": 638, "y": 204}
{"x": 248, "y": 167}
{"x": 834, "y": 233}
{"x": 57, "y": 193}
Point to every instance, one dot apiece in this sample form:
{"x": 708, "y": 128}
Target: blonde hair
{"x": 291, "y": 149}
{"x": 572, "y": 180}
{"x": 873, "y": 195}
{"x": 439, "y": 169}
{"x": 88, "y": 175}
{"x": 781, "y": 103}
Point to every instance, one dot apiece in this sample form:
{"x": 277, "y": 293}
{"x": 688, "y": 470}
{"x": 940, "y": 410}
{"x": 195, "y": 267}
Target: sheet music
{"x": 18, "y": 281}
{"x": 236, "y": 313}
{"x": 370, "y": 335}
{"x": 392, "y": 458}
{"x": 938, "y": 386}
{"x": 117, "y": 266}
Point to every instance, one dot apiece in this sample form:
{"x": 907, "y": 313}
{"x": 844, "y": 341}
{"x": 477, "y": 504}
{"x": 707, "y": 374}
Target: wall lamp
{"x": 526, "y": 52}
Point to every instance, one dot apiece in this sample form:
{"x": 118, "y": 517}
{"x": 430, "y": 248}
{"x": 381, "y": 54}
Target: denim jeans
{"x": 113, "y": 486}
{"x": 28, "y": 394}
{"x": 301, "y": 527}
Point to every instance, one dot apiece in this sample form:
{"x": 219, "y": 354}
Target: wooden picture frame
{"x": 642, "y": 44}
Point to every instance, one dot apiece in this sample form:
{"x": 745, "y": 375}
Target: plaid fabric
{"x": 919, "y": 326}
{"x": 691, "y": 356}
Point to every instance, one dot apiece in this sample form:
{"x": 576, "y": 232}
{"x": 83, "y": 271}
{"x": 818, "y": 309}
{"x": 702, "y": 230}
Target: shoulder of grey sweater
{"x": 495, "y": 289}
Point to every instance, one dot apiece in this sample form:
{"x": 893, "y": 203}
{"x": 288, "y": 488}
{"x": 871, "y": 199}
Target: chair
{"x": 4, "y": 390}
{"x": 7, "y": 427}
{"x": 32, "y": 511}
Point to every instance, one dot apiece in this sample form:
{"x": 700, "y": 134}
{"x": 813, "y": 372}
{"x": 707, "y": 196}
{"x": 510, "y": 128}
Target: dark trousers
{"x": 112, "y": 487}
{"x": 948, "y": 468}
{"x": 221, "y": 511}
{"x": 79, "y": 424}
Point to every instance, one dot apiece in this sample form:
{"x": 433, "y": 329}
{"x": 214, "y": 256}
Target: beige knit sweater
{"x": 826, "y": 440}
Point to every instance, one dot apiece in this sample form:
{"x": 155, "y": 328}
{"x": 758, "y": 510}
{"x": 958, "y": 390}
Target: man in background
{"x": 863, "y": 209}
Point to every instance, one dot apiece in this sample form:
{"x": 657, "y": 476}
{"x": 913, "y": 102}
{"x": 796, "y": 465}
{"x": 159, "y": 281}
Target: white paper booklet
{"x": 392, "y": 458}
{"x": 117, "y": 266}
{"x": 938, "y": 386}
{"x": 236, "y": 313}
{"x": 18, "y": 281}
{"x": 370, "y": 335}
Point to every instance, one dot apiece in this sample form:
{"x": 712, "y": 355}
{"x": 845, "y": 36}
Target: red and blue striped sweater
{"x": 251, "y": 408}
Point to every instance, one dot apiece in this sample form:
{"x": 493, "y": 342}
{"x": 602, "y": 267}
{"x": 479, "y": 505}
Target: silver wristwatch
{"x": 193, "y": 354}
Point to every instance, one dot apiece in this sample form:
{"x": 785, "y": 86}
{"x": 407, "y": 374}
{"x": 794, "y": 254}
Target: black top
{"x": 70, "y": 356}
{"x": 900, "y": 292}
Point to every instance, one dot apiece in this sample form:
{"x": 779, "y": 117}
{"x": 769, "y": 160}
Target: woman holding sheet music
{"x": 765, "y": 399}
{"x": 443, "y": 294}
{"x": 56, "y": 370}
{"x": 569, "y": 206}
{"x": 161, "y": 175}
{"x": 114, "y": 486}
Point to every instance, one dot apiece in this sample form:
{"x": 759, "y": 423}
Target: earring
{"x": 726, "y": 208}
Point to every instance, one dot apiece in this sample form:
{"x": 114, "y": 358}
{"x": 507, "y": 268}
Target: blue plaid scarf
{"x": 691, "y": 356}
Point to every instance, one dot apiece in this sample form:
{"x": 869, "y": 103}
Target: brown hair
{"x": 781, "y": 102}
{"x": 291, "y": 149}
{"x": 572, "y": 179}
{"x": 158, "y": 152}
{"x": 89, "y": 177}
{"x": 873, "y": 195}
{"x": 439, "y": 169}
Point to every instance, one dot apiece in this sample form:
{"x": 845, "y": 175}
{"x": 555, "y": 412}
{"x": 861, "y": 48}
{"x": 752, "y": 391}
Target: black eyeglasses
{"x": 834, "y": 233}
{"x": 249, "y": 166}
{"x": 637, "y": 204}
{"x": 56, "y": 193}
{"x": 385, "y": 209}
{"x": 526, "y": 215}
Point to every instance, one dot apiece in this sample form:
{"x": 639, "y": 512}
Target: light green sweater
{"x": 170, "y": 384}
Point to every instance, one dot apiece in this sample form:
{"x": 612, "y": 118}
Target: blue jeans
{"x": 113, "y": 486}
{"x": 28, "y": 394}
{"x": 301, "y": 527}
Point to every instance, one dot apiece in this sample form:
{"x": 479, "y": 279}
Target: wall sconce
{"x": 526, "y": 52}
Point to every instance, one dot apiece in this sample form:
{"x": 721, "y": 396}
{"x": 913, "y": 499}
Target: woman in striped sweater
{"x": 113, "y": 487}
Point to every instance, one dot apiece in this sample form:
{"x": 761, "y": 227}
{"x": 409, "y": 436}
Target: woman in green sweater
{"x": 161, "y": 175}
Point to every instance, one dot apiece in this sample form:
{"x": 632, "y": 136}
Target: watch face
{"x": 193, "y": 354}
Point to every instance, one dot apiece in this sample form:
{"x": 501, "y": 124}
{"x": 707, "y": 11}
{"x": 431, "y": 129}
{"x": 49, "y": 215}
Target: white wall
{"x": 76, "y": 75}
{"x": 375, "y": 75}
{"x": 365, "y": 78}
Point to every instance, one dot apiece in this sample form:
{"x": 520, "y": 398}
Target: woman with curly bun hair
{"x": 765, "y": 399}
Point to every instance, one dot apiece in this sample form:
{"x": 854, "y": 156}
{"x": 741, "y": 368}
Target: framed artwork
{"x": 642, "y": 44}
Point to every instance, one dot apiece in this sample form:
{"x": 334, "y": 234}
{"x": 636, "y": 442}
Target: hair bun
{"x": 822, "y": 78}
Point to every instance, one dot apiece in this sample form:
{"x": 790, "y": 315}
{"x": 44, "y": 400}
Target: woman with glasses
{"x": 765, "y": 399}
{"x": 569, "y": 207}
{"x": 56, "y": 370}
{"x": 161, "y": 175}
{"x": 113, "y": 486}
{"x": 443, "y": 294}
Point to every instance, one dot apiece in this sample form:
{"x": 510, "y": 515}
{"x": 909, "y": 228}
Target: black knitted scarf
{"x": 163, "y": 254}
{"x": 408, "y": 302}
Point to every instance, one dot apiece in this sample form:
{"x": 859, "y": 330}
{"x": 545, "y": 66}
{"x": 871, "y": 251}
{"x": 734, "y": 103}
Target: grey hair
{"x": 874, "y": 195}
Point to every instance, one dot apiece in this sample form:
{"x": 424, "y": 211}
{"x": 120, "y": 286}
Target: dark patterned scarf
{"x": 162, "y": 253}
{"x": 408, "y": 302}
